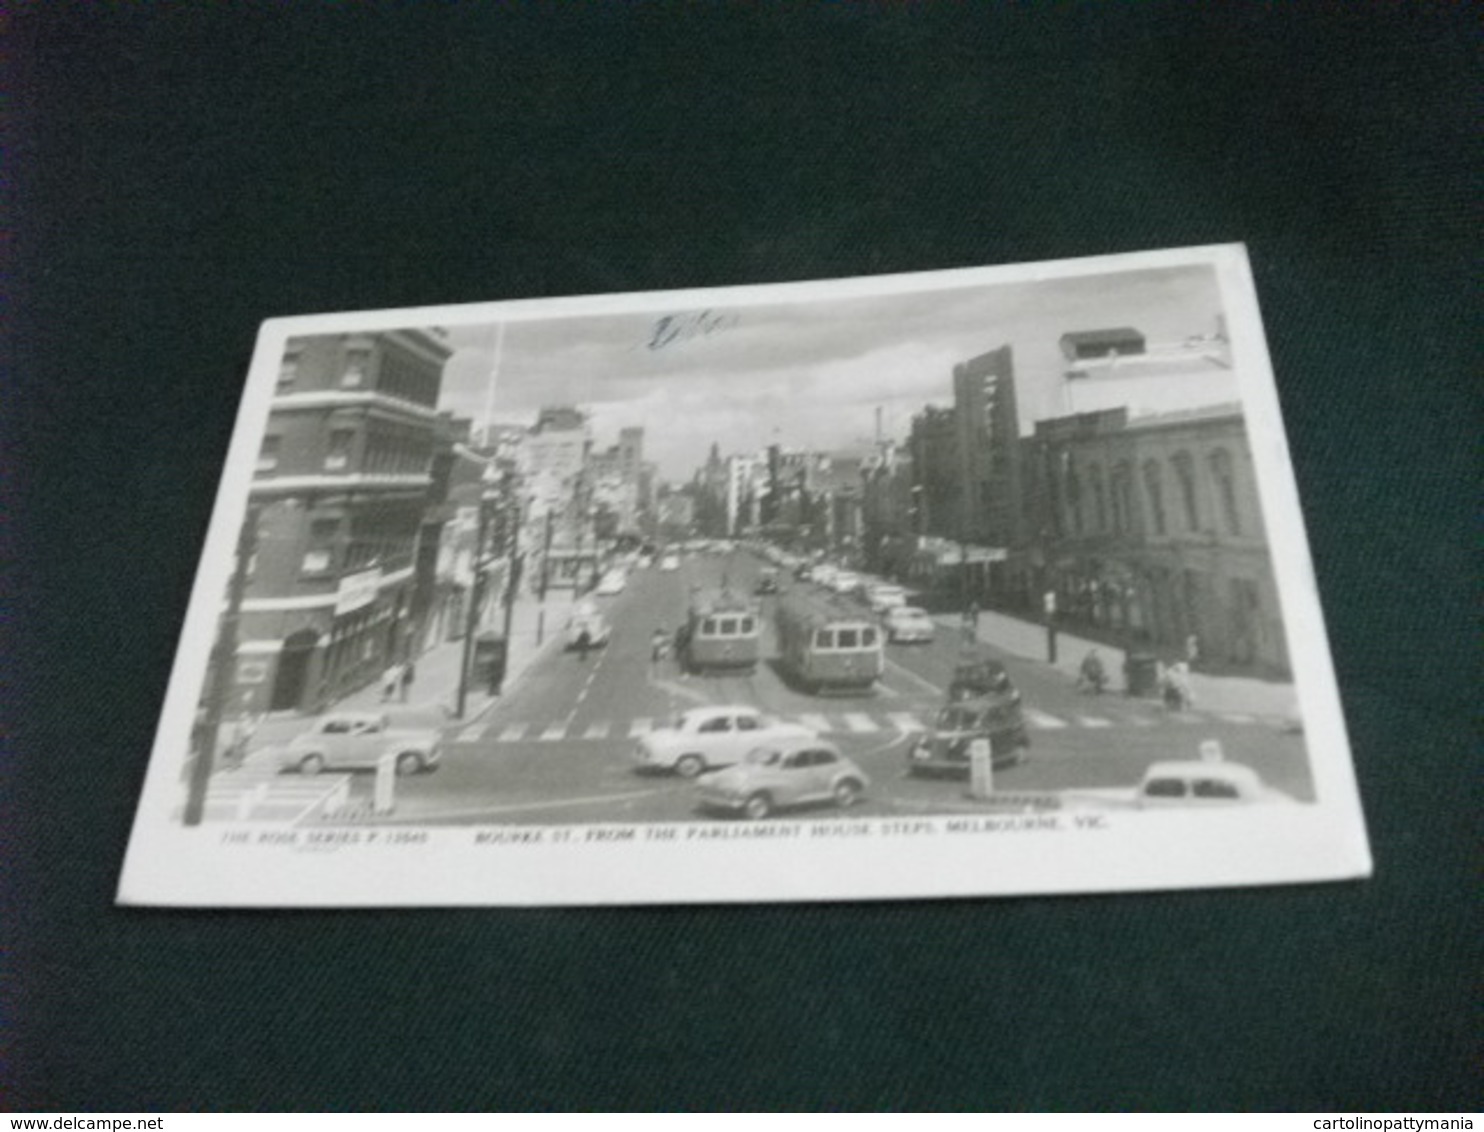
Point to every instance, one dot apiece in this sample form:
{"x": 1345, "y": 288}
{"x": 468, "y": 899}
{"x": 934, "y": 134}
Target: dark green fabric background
{"x": 177, "y": 173}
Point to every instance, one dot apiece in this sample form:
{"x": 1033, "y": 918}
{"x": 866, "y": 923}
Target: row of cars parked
{"x": 902, "y": 622}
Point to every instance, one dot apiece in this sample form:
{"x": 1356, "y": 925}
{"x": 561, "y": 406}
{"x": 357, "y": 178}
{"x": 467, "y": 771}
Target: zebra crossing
{"x": 256, "y": 791}
{"x": 837, "y": 723}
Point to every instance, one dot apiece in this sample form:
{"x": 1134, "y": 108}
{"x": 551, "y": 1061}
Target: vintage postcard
{"x": 965, "y": 583}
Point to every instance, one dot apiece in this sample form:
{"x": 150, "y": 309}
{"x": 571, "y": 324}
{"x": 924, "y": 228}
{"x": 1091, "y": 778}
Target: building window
{"x": 288, "y": 369}
{"x": 357, "y": 361}
{"x": 320, "y": 557}
{"x": 1099, "y": 499}
{"x": 268, "y": 454}
{"x": 1121, "y": 491}
{"x": 337, "y": 456}
{"x": 1226, "y": 488}
{"x": 1154, "y": 489}
{"x": 1185, "y": 476}
{"x": 1074, "y": 500}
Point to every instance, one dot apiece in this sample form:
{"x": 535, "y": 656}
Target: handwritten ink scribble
{"x": 674, "y": 328}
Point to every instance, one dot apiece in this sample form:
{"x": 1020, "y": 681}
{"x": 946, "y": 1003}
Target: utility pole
{"x": 471, "y": 616}
{"x": 224, "y": 659}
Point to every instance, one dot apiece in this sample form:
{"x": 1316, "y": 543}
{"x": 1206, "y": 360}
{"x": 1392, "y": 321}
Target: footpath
{"x": 536, "y": 628}
{"x": 1238, "y": 694}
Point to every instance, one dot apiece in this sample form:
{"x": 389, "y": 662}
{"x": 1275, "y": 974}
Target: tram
{"x": 721, "y": 632}
{"x": 827, "y": 647}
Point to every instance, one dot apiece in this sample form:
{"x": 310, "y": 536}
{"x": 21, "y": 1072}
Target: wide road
{"x": 557, "y": 749}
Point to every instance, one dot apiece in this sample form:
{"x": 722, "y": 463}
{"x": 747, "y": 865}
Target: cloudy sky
{"x": 811, "y": 374}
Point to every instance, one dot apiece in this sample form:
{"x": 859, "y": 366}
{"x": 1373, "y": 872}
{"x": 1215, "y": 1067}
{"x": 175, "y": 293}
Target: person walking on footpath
{"x": 971, "y": 621}
{"x": 391, "y": 682}
{"x": 404, "y": 684}
{"x": 1177, "y": 687}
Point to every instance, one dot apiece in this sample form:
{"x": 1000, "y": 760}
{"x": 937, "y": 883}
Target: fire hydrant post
{"x": 981, "y": 769}
{"x": 384, "y": 800}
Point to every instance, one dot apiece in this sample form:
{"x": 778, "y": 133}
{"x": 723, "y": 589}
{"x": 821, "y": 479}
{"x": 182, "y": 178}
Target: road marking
{"x": 554, "y": 732}
{"x": 906, "y": 721}
{"x": 1093, "y": 721}
{"x": 514, "y": 733}
{"x": 1236, "y": 717}
{"x": 598, "y": 731}
{"x": 640, "y": 726}
{"x": 1042, "y": 720}
{"x": 860, "y": 722}
{"x": 471, "y": 733}
{"x": 816, "y": 722}
{"x": 907, "y": 672}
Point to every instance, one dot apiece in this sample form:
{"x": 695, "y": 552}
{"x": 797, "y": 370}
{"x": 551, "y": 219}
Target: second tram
{"x": 827, "y": 647}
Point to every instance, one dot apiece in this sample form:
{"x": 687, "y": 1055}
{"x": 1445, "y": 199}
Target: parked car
{"x": 358, "y": 741}
{"x": 796, "y": 772}
{"x": 612, "y": 583}
{"x": 708, "y": 737}
{"x": 767, "y": 582}
{"x": 844, "y": 582}
{"x": 907, "y": 624}
{"x": 881, "y": 597}
{"x": 670, "y": 563}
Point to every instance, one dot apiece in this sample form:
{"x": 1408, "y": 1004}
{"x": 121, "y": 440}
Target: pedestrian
{"x": 1177, "y": 687}
{"x": 242, "y": 735}
{"x": 1192, "y": 650}
{"x": 391, "y": 682}
{"x": 1092, "y": 677}
{"x": 659, "y": 643}
{"x": 409, "y": 674}
{"x": 971, "y": 620}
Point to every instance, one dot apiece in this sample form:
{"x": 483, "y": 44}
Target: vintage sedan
{"x": 359, "y": 741}
{"x": 907, "y": 624}
{"x": 707, "y": 737}
{"x": 796, "y": 772}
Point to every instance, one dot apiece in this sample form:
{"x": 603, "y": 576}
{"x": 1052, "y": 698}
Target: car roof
{"x": 1200, "y": 768}
{"x": 787, "y": 744}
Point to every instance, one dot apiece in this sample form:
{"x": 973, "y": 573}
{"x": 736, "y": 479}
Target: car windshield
{"x": 959, "y": 719}
{"x": 763, "y": 756}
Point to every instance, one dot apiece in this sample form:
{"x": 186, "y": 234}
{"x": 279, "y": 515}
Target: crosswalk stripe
{"x": 860, "y": 722}
{"x": 514, "y": 733}
{"x": 1042, "y": 720}
{"x": 640, "y": 727}
{"x": 471, "y": 733}
{"x": 906, "y": 721}
{"x": 816, "y": 722}
{"x": 598, "y": 731}
{"x": 1236, "y": 717}
{"x": 1093, "y": 721}
{"x": 554, "y": 732}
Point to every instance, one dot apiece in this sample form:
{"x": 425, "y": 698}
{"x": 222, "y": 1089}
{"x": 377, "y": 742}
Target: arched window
{"x": 1074, "y": 499}
{"x": 1154, "y": 489}
{"x": 1185, "y": 476}
{"x": 1099, "y": 498}
{"x": 1122, "y": 498}
{"x": 1226, "y": 489}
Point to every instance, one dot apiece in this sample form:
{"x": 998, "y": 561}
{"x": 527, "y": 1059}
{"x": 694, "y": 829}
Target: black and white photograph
{"x": 969, "y": 582}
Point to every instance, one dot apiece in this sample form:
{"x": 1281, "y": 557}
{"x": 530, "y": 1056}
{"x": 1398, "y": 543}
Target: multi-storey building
{"x": 342, "y": 483}
{"x": 987, "y": 446}
{"x": 937, "y": 484}
{"x": 1151, "y": 526}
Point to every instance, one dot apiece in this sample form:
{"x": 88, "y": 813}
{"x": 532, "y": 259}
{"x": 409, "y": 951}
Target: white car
{"x": 823, "y": 574}
{"x": 703, "y": 738}
{"x": 907, "y": 624}
{"x": 882, "y": 597}
{"x": 612, "y": 583}
{"x": 845, "y": 582}
{"x": 1186, "y": 784}
{"x": 359, "y": 740}
{"x": 587, "y": 622}
{"x": 670, "y": 563}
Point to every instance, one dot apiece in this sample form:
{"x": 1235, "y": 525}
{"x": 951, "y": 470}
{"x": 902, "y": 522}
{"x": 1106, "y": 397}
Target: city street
{"x": 558, "y": 747}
